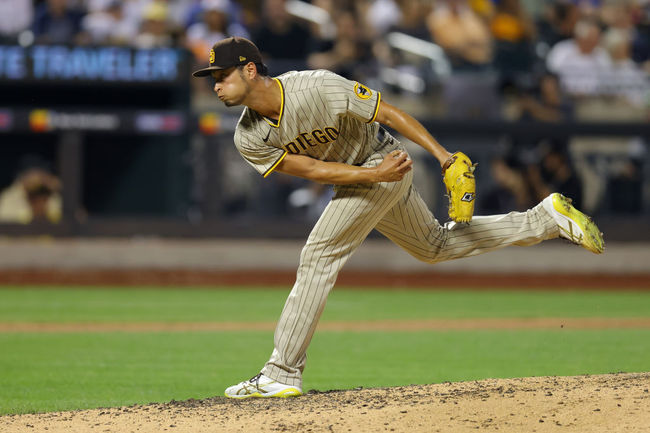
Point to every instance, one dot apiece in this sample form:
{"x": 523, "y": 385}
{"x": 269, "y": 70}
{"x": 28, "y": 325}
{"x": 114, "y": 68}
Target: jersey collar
{"x": 276, "y": 124}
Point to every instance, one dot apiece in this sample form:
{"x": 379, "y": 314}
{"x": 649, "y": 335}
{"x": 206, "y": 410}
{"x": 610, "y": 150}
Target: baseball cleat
{"x": 262, "y": 386}
{"x": 574, "y": 225}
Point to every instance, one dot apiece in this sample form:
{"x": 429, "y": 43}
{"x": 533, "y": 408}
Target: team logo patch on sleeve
{"x": 362, "y": 91}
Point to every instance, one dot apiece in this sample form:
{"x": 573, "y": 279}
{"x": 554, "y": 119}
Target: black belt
{"x": 381, "y": 134}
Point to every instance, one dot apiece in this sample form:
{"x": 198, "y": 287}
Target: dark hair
{"x": 262, "y": 69}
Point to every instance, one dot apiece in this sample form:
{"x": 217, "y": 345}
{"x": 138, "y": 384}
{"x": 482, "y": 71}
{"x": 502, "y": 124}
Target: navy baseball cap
{"x": 229, "y": 52}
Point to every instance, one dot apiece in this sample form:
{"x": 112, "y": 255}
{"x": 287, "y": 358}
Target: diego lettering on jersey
{"x": 317, "y": 137}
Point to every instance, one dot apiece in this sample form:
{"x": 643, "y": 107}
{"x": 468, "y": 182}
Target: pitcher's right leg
{"x": 345, "y": 223}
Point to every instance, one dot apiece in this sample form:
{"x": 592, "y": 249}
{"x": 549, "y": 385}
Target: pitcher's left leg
{"x": 488, "y": 233}
{"x": 411, "y": 225}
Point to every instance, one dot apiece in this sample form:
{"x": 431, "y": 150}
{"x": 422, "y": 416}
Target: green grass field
{"x": 59, "y": 371}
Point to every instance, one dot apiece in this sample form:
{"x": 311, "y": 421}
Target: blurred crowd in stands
{"x": 544, "y": 57}
{"x": 592, "y": 46}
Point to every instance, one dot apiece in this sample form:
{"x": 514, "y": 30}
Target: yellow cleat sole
{"x": 285, "y": 393}
{"x": 591, "y": 238}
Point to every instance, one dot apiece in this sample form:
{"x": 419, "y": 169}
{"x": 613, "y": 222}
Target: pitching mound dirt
{"x": 604, "y": 403}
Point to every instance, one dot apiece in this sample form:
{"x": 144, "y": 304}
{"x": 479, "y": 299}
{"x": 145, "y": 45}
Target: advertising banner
{"x": 93, "y": 64}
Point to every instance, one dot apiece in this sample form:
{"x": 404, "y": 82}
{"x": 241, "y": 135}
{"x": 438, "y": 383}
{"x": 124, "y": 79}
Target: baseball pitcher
{"x": 320, "y": 126}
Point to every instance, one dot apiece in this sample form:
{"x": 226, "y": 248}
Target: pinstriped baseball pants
{"x": 397, "y": 211}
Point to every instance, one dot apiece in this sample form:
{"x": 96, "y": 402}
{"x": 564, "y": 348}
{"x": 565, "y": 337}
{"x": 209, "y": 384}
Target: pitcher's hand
{"x": 394, "y": 166}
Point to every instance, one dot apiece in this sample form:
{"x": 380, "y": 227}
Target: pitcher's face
{"x": 231, "y": 86}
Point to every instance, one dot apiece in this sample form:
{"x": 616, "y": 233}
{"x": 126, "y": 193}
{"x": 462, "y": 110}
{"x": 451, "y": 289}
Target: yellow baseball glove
{"x": 458, "y": 175}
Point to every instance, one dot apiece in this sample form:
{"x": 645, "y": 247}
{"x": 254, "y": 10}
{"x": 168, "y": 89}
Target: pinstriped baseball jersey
{"x": 322, "y": 115}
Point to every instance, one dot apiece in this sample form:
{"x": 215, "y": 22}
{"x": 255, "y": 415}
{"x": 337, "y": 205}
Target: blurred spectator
{"x": 15, "y": 17}
{"x": 33, "y": 197}
{"x": 618, "y": 14}
{"x": 580, "y": 62}
{"x": 322, "y": 29}
{"x": 413, "y": 19}
{"x": 381, "y": 15}
{"x": 519, "y": 181}
{"x": 347, "y": 54}
{"x": 483, "y": 8}
{"x": 471, "y": 91}
{"x": 156, "y": 30}
{"x": 510, "y": 190}
{"x": 625, "y": 79}
{"x": 545, "y": 102}
{"x": 109, "y": 25}
{"x": 56, "y": 23}
{"x": 249, "y": 13}
{"x": 514, "y": 32}
{"x": 633, "y": 18}
{"x": 214, "y": 25}
{"x": 589, "y": 8}
{"x": 641, "y": 36}
{"x": 518, "y": 175}
{"x": 401, "y": 70}
{"x": 555, "y": 174}
{"x": 463, "y": 35}
{"x": 555, "y": 25}
{"x": 280, "y": 36}
{"x": 179, "y": 12}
